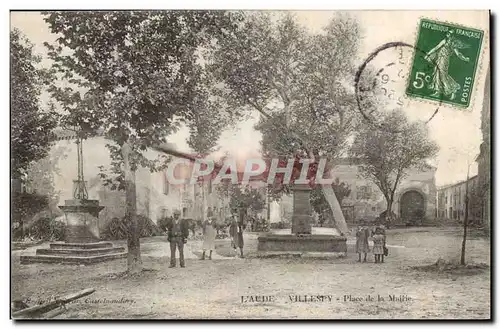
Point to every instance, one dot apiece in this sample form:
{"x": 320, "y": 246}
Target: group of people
{"x": 178, "y": 233}
{"x": 377, "y": 235}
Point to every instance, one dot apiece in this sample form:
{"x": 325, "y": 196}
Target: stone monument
{"x": 301, "y": 238}
{"x": 82, "y": 242}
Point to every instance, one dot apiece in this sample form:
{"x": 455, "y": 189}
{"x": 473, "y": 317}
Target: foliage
{"x": 246, "y": 198}
{"x": 42, "y": 174}
{"x": 297, "y": 81}
{"x": 259, "y": 224}
{"x": 386, "y": 156}
{"x": 209, "y": 120}
{"x": 31, "y": 126}
{"x": 135, "y": 75}
{"x": 162, "y": 223}
{"x": 279, "y": 225}
{"x": 48, "y": 229}
{"x": 319, "y": 203}
{"x": 118, "y": 228}
{"x": 25, "y": 205}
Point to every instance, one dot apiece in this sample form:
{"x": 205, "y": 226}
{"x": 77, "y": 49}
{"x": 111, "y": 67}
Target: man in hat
{"x": 178, "y": 232}
{"x": 236, "y": 229}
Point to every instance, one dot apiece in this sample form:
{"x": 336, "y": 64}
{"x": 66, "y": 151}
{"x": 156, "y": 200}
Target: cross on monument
{"x": 80, "y": 190}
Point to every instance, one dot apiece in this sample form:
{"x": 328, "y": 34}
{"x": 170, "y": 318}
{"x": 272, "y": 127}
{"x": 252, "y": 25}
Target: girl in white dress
{"x": 209, "y": 233}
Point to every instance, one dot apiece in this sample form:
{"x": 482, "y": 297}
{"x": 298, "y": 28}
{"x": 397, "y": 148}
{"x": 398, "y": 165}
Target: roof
{"x": 455, "y": 184}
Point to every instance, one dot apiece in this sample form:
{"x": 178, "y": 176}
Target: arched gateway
{"x": 412, "y": 207}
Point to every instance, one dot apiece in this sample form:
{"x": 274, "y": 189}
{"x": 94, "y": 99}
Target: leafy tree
{"x": 31, "y": 126}
{"x": 133, "y": 77}
{"x": 42, "y": 174}
{"x": 246, "y": 198}
{"x": 385, "y": 156}
{"x": 209, "y": 120}
{"x": 298, "y": 82}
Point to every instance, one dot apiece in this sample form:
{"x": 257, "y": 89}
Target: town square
{"x": 225, "y": 164}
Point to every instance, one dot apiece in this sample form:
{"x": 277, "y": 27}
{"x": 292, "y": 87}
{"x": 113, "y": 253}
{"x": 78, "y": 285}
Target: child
{"x": 362, "y": 241}
{"x": 379, "y": 245}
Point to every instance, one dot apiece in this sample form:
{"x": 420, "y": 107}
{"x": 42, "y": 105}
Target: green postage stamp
{"x": 445, "y": 63}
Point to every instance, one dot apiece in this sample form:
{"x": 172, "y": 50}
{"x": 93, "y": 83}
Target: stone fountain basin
{"x": 322, "y": 239}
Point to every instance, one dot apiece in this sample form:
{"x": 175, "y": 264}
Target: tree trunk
{"x": 268, "y": 205}
{"x": 388, "y": 212}
{"x": 466, "y": 219}
{"x": 134, "y": 262}
{"x": 328, "y": 192}
{"x": 204, "y": 203}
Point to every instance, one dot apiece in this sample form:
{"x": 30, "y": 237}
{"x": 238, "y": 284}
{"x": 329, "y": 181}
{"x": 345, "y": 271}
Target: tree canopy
{"x": 134, "y": 77}
{"x": 298, "y": 81}
{"x": 386, "y": 156}
{"x": 31, "y": 125}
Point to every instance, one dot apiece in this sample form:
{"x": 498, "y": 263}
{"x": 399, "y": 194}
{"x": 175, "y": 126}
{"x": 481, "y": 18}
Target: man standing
{"x": 178, "y": 233}
{"x": 236, "y": 230}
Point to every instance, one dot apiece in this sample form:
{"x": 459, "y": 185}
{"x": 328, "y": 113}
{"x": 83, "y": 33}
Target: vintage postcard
{"x": 210, "y": 164}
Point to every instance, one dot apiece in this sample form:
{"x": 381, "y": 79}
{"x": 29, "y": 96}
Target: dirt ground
{"x": 223, "y": 287}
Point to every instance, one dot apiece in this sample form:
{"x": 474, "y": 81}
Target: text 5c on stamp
{"x": 445, "y": 63}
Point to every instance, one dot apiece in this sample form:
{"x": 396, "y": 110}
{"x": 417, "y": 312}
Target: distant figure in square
{"x": 209, "y": 237}
{"x": 236, "y": 231}
{"x": 379, "y": 245}
{"x": 190, "y": 222}
{"x": 362, "y": 235}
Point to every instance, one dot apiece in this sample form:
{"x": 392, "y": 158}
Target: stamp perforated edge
{"x": 479, "y": 68}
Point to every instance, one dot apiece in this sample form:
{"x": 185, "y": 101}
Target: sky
{"x": 457, "y": 132}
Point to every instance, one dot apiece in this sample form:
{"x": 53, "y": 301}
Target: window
{"x": 363, "y": 192}
{"x": 210, "y": 186}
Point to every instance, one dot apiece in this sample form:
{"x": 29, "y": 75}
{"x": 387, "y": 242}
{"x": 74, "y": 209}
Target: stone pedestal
{"x": 301, "y": 239}
{"x": 302, "y": 243}
{"x": 82, "y": 223}
{"x": 82, "y": 244}
{"x": 302, "y": 212}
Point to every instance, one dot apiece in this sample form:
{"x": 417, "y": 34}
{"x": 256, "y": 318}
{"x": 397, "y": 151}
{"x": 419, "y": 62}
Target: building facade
{"x": 414, "y": 200}
{"x": 484, "y": 157}
{"x": 156, "y": 196}
{"x": 451, "y": 200}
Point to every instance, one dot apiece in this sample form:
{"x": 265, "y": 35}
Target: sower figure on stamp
{"x": 442, "y": 82}
{"x": 362, "y": 246}
{"x": 178, "y": 233}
